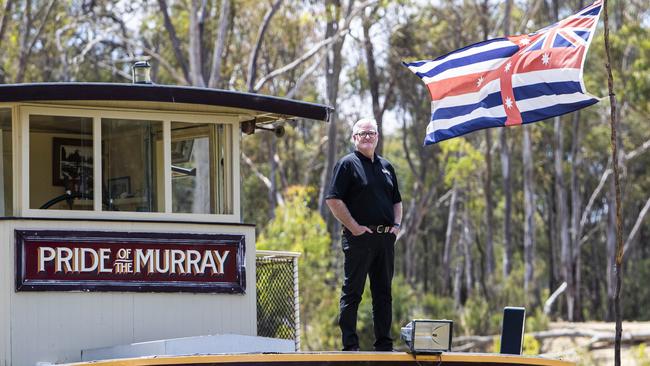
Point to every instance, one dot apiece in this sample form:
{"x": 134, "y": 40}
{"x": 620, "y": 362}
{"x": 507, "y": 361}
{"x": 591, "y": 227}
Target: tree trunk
{"x": 333, "y": 66}
{"x": 176, "y": 43}
{"x": 252, "y": 62}
{"x": 562, "y": 218}
{"x": 219, "y": 44}
{"x": 195, "y": 49}
{"x": 489, "y": 206}
{"x": 373, "y": 81}
{"x": 576, "y": 206}
{"x": 529, "y": 212}
{"x": 467, "y": 251}
{"x": 505, "y": 170}
{"x": 507, "y": 193}
{"x": 611, "y": 250}
{"x": 446, "y": 254}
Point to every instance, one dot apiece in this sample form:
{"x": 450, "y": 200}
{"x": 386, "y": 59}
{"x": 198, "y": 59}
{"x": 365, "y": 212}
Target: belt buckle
{"x": 380, "y": 229}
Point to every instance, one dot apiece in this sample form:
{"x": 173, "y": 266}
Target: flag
{"x": 511, "y": 80}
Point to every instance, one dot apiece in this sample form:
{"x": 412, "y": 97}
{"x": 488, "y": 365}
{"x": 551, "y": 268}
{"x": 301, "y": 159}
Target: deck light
{"x": 428, "y": 336}
{"x": 142, "y": 72}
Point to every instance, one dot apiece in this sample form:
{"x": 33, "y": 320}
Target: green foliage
{"x": 536, "y": 320}
{"x": 477, "y": 317}
{"x": 641, "y": 355}
{"x": 531, "y": 345}
{"x": 298, "y": 228}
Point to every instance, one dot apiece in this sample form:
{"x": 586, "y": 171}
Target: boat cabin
{"x": 121, "y": 216}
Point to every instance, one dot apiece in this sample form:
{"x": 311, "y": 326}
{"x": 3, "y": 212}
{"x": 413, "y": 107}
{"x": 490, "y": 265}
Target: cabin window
{"x": 132, "y": 165}
{"x": 125, "y": 162}
{"x": 199, "y": 168}
{"x": 60, "y": 162}
{"x": 6, "y": 163}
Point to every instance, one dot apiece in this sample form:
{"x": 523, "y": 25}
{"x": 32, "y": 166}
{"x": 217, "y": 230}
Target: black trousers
{"x": 368, "y": 255}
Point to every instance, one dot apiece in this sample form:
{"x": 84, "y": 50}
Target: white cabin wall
{"x": 56, "y": 326}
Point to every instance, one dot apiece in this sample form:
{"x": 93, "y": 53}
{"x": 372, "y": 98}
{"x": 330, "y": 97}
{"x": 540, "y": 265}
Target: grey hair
{"x": 355, "y": 128}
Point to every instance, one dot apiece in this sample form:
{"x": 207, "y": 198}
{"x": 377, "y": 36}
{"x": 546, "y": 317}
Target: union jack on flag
{"x": 511, "y": 80}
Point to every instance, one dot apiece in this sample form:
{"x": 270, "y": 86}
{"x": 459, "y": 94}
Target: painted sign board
{"x": 50, "y": 260}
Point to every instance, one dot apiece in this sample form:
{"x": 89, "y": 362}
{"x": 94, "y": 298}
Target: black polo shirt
{"x": 368, "y": 188}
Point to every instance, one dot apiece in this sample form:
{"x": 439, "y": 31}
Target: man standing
{"x": 365, "y": 198}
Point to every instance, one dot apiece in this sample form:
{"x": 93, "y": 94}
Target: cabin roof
{"x": 269, "y": 106}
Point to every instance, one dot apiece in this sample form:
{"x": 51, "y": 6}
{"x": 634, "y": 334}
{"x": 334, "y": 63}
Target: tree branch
{"x": 252, "y": 63}
{"x": 176, "y": 43}
{"x": 326, "y": 43}
{"x": 219, "y": 44}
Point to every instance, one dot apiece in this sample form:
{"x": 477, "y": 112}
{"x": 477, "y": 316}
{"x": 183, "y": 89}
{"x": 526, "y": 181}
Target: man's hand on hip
{"x": 359, "y": 230}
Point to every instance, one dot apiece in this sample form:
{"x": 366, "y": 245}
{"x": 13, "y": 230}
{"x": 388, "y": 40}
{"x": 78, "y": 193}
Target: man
{"x": 365, "y": 198}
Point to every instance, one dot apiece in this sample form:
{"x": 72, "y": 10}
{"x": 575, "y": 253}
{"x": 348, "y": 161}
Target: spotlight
{"x": 428, "y": 336}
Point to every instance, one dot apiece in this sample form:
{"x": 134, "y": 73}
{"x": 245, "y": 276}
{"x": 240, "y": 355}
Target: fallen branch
{"x": 596, "y": 339}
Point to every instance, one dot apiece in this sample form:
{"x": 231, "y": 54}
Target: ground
{"x": 574, "y": 349}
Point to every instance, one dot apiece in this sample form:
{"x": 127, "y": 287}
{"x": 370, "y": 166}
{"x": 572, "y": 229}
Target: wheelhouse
{"x": 120, "y": 214}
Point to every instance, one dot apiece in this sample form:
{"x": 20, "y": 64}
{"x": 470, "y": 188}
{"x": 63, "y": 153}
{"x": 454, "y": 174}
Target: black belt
{"x": 380, "y": 229}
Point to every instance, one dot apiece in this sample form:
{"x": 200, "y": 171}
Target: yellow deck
{"x": 327, "y": 358}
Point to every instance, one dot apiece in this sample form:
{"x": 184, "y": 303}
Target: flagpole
{"x": 617, "y": 187}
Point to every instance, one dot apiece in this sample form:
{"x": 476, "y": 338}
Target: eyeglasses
{"x": 366, "y": 134}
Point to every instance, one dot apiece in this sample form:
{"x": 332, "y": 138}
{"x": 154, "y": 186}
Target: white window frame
{"x": 21, "y": 148}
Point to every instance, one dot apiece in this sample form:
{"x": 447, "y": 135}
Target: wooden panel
{"x": 56, "y": 326}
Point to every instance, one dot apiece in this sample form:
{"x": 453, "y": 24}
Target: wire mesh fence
{"x": 277, "y": 295}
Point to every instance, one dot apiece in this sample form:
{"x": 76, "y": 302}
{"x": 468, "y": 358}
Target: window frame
{"x": 21, "y": 170}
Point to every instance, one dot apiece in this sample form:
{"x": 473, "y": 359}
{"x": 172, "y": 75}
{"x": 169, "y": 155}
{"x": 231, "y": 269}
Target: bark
{"x": 446, "y": 253}
{"x": 562, "y": 218}
{"x": 636, "y": 227}
{"x": 176, "y": 43}
{"x": 373, "y": 79}
{"x": 195, "y": 44}
{"x": 489, "y": 207}
{"x": 458, "y": 275}
{"x": 467, "y": 251}
{"x": 507, "y": 193}
{"x": 6, "y": 15}
{"x": 219, "y": 44}
{"x": 617, "y": 191}
{"x": 529, "y": 212}
{"x": 273, "y": 188}
{"x": 252, "y": 62}
{"x": 576, "y": 206}
{"x": 27, "y": 45}
{"x": 505, "y": 170}
{"x": 333, "y": 66}
{"x": 490, "y": 264}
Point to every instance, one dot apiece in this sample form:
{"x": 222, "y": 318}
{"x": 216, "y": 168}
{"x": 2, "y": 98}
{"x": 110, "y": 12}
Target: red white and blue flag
{"x": 510, "y": 81}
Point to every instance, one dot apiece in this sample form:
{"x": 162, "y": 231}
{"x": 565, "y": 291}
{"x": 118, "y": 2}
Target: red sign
{"x": 110, "y": 261}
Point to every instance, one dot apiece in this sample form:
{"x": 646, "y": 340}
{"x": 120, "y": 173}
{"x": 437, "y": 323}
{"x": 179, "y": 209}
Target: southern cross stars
{"x": 508, "y": 65}
{"x": 524, "y": 41}
{"x": 508, "y": 102}
{"x": 479, "y": 81}
{"x": 546, "y": 59}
